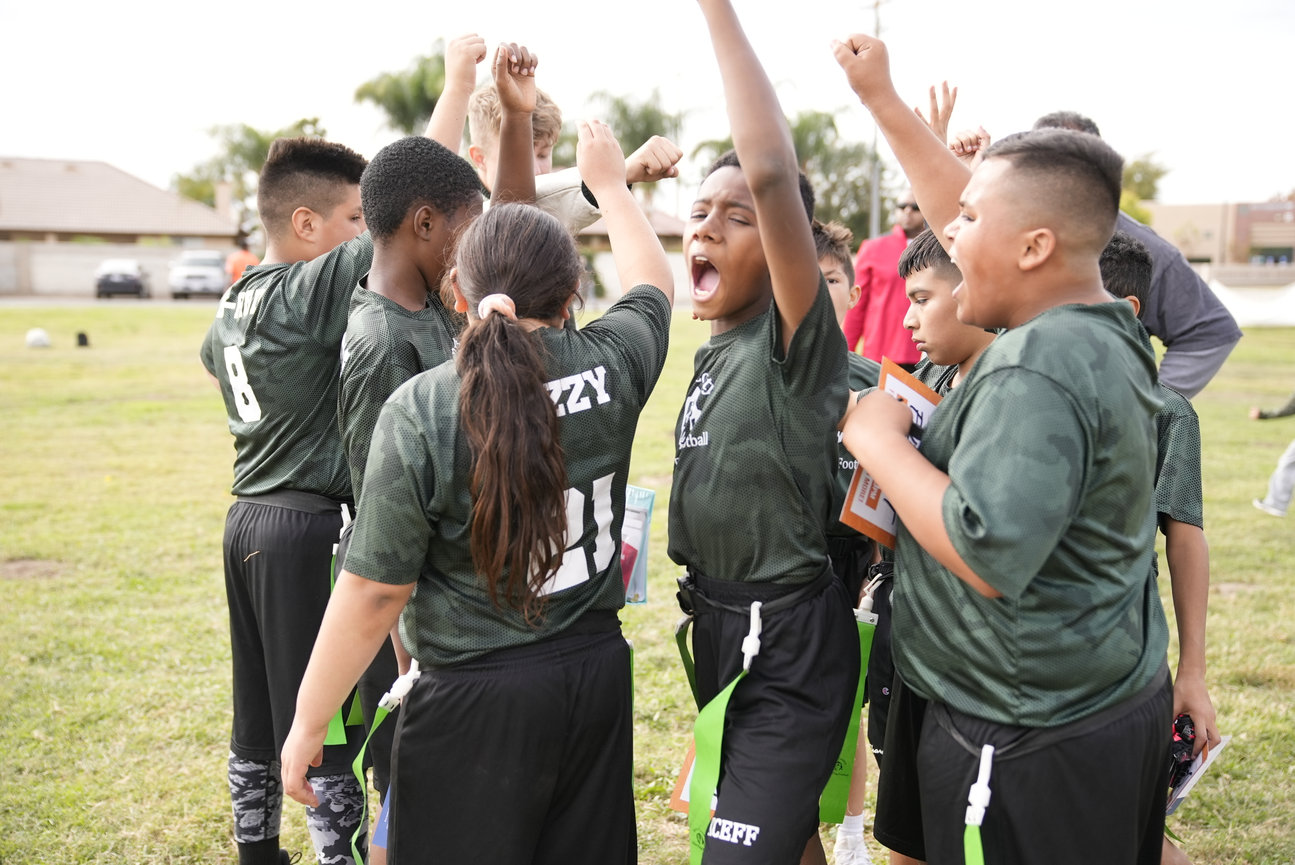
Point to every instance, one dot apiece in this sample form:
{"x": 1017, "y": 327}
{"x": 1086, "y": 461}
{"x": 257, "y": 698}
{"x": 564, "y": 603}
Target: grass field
{"x": 114, "y": 695}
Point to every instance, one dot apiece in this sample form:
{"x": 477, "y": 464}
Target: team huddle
{"x": 431, "y": 470}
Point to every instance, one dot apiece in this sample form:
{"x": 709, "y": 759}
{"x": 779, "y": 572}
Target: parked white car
{"x": 200, "y": 272}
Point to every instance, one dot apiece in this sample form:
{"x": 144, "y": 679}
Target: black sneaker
{"x": 286, "y": 858}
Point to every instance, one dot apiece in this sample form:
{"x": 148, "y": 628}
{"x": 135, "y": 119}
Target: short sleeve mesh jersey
{"x": 414, "y": 516}
{"x": 385, "y": 346}
{"x": 756, "y": 450}
{"x": 862, "y": 373}
{"x": 1049, "y": 447}
{"x": 275, "y": 348}
{"x": 1178, "y": 460}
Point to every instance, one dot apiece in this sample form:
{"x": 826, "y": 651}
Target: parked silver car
{"x": 198, "y": 272}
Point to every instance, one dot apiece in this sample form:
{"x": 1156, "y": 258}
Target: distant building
{"x": 60, "y": 217}
{"x": 1253, "y": 243}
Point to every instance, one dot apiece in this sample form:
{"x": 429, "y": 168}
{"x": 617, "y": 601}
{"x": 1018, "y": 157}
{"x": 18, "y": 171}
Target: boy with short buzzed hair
{"x": 950, "y": 350}
{"x": 273, "y": 349}
{"x": 1023, "y": 612}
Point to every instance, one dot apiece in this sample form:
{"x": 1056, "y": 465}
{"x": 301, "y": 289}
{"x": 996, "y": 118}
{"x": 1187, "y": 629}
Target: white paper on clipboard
{"x": 866, "y": 509}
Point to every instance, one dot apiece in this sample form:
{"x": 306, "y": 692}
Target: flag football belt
{"x": 355, "y": 713}
{"x": 1036, "y": 740}
{"x": 708, "y": 731}
{"x": 386, "y": 706}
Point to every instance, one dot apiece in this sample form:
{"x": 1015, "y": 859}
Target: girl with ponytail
{"x": 495, "y": 487}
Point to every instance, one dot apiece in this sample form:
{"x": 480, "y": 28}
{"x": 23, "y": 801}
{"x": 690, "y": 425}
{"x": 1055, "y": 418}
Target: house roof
{"x": 664, "y": 224}
{"x": 71, "y": 196}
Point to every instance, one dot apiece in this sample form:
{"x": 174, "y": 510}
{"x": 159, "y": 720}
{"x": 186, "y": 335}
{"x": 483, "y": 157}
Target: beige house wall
{"x": 1202, "y": 232}
{"x": 67, "y": 269}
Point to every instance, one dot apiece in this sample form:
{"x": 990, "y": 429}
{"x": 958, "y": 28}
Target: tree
{"x": 1142, "y": 176}
{"x": 242, "y": 150}
{"x": 1130, "y": 204}
{"x": 840, "y": 171}
{"x": 408, "y": 98}
{"x": 1141, "y": 179}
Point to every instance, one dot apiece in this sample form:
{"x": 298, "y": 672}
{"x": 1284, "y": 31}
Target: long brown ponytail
{"x": 519, "y": 476}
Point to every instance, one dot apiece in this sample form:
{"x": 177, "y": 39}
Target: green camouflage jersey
{"x": 862, "y": 374}
{"x": 385, "y": 346}
{"x": 413, "y": 522}
{"x": 1049, "y": 445}
{"x": 1178, "y": 460}
{"x": 275, "y": 347}
{"x": 755, "y": 450}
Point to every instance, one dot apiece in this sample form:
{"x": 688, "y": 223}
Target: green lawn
{"x": 114, "y": 696}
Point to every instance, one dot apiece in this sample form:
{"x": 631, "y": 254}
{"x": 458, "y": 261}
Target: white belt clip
{"x": 864, "y": 611}
{"x": 978, "y": 795}
{"x": 400, "y": 687}
{"x": 751, "y": 642}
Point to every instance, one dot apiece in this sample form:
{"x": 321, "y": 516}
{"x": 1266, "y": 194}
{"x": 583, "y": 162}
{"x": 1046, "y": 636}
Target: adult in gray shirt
{"x": 1182, "y": 312}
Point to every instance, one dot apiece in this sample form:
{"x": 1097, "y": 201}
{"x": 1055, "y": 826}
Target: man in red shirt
{"x": 878, "y": 317}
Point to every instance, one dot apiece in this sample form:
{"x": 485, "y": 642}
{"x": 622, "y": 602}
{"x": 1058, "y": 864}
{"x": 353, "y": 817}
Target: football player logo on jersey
{"x": 692, "y": 413}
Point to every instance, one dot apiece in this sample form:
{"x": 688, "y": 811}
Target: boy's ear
{"x": 426, "y": 222}
{"x": 305, "y": 223}
{"x": 477, "y": 157}
{"x": 855, "y": 292}
{"x": 1137, "y": 305}
{"x": 1040, "y": 246}
{"x": 460, "y": 302}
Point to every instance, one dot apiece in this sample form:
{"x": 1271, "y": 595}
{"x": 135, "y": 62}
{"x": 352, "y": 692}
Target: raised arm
{"x": 764, "y": 148}
{"x": 639, "y": 257}
{"x": 514, "y": 71}
{"x": 461, "y": 58}
{"x": 937, "y": 176}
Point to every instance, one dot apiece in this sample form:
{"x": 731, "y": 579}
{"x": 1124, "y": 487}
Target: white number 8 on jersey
{"x": 244, "y": 399}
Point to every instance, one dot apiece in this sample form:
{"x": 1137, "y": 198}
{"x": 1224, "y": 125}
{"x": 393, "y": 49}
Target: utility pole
{"x": 874, "y": 203}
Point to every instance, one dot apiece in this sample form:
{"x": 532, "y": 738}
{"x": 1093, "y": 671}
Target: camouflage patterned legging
{"x": 256, "y": 791}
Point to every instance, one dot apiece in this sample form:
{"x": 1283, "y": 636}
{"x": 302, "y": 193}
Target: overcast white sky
{"x": 1206, "y": 86}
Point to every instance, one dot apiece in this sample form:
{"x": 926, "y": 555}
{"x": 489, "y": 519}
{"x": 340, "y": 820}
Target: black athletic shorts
{"x": 278, "y": 561}
{"x": 1089, "y": 791}
{"x": 522, "y": 755}
{"x": 897, "y": 823}
{"x": 374, "y": 683}
{"x": 786, "y": 720}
